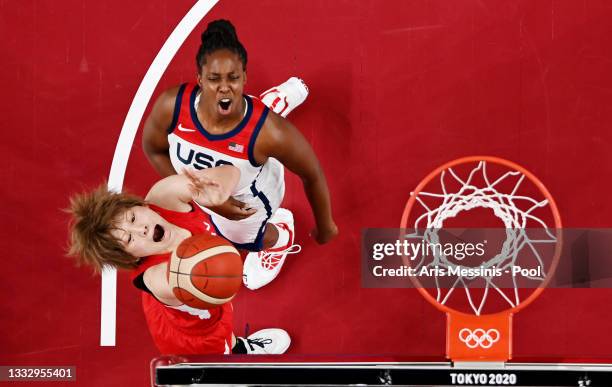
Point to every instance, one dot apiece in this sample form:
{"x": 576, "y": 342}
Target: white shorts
{"x": 265, "y": 195}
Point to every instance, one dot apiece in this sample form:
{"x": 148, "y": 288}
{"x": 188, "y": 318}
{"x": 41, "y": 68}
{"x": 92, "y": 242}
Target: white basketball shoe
{"x": 260, "y": 268}
{"x": 282, "y": 99}
{"x": 271, "y": 341}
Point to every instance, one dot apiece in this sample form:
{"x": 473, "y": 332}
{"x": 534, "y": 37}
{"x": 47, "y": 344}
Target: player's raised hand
{"x": 205, "y": 191}
{"x": 325, "y": 233}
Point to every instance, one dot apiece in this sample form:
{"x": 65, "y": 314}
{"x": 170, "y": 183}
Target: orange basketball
{"x": 205, "y": 271}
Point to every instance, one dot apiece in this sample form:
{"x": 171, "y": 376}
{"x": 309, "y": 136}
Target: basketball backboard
{"x": 371, "y": 371}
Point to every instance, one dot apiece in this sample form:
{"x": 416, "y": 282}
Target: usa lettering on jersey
{"x": 197, "y": 158}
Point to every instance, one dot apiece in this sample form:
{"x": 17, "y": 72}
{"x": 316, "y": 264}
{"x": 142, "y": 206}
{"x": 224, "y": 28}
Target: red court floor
{"x": 397, "y": 88}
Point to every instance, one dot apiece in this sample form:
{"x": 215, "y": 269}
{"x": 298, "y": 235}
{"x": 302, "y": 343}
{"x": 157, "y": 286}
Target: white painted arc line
{"x": 124, "y": 146}
{"x": 108, "y": 307}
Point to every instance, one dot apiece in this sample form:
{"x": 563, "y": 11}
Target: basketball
{"x": 205, "y": 271}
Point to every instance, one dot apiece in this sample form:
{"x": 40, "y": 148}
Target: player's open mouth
{"x": 158, "y": 233}
{"x": 224, "y": 105}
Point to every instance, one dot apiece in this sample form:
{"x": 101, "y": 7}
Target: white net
{"x": 520, "y": 214}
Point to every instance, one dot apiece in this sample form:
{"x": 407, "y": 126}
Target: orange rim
{"x": 553, "y": 207}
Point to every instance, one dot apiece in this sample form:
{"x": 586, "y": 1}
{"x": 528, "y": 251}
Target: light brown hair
{"x": 93, "y": 219}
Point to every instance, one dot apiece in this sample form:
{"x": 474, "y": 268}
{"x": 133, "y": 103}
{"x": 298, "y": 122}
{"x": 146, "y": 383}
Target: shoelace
{"x": 270, "y": 259}
{"x": 260, "y": 342}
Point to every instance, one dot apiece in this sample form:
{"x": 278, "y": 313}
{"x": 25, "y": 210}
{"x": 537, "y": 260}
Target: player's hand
{"x": 205, "y": 191}
{"x": 325, "y": 234}
{"x": 233, "y": 209}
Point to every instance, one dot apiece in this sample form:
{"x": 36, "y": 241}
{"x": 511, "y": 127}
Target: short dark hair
{"x": 220, "y": 35}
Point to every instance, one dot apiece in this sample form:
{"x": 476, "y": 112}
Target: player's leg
{"x": 271, "y": 235}
{"x": 260, "y": 268}
{"x": 282, "y": 99}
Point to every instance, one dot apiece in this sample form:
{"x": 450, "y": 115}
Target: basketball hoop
{"x": 488, "y": 186}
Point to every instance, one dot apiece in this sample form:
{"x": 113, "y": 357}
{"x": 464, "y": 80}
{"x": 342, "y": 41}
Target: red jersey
{"x": 181, "y": 332}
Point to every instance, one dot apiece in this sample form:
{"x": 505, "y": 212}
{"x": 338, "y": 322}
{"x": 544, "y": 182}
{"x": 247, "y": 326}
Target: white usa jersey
{"x": 260, "y": 186}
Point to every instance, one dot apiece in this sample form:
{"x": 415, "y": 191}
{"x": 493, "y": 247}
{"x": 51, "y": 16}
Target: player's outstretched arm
{"x": 281, "y": 140}
{"x": 207, "y": 187}
{"x": 155, "y": 135}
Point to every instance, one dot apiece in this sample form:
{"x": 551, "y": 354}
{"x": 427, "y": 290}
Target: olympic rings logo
{"x": 479, "y": 337}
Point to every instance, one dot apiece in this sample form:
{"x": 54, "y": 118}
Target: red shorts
{"x": 177, "y": 332}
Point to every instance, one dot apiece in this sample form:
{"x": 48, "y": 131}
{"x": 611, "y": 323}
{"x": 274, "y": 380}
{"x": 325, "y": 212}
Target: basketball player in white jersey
{"x": 212, "y": 123}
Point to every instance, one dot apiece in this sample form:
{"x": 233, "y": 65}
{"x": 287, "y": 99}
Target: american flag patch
{"x": 236, "y": 147}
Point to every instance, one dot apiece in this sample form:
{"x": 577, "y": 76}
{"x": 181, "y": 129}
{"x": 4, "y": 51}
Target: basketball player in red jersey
{"x": 124, "y": 231}
{"x": 212, "y": 123}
